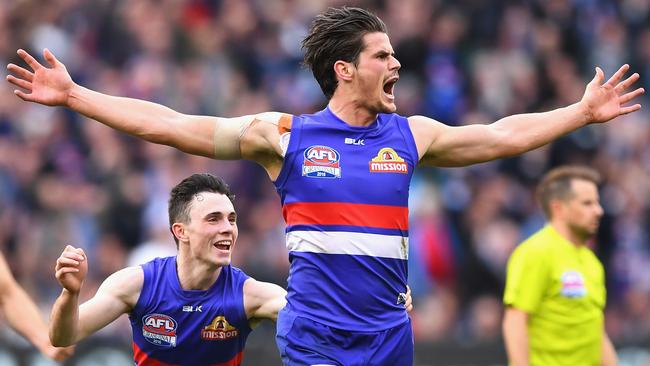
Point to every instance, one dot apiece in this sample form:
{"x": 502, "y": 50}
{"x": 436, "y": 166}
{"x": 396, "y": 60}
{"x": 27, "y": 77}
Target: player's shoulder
{"x": 267, "y": 125}
{"x": 236, "y": 271}
{"x": 127, "y": 277}
{"x": 125, "y": 284}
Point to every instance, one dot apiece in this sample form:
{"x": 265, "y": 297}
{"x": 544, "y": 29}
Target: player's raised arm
{"x": 441, "y": 145}
{"x": 69, "y": 322}
{"x": 213, "y": 137}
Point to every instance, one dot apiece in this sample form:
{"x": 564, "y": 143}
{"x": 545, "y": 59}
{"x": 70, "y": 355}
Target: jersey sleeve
{"x": 526, "y": 280}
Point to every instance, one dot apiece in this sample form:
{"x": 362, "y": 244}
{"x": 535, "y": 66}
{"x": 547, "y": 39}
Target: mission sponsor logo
{"x": 321, "y": 162}
{"x": 159, "y": 329}
{"x": 218, "y": 330}
{"x": 387, "y": 161}
{"x": 573, "y": 285}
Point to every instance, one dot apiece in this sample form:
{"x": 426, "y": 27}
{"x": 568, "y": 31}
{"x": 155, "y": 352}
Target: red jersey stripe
{"x": 142, "y": 359}
{"x": 352, "y": 214}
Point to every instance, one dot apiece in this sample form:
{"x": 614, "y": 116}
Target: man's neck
{"x": 193, "y": 275}
{"x": 351, "y": 112}
{"x": 568, "y": 234}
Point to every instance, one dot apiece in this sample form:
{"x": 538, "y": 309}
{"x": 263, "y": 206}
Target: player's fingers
{"x": 73, "y": 255}
{"x": 65, "y": 261}
{"x": 618, "y": 75}
{"x": 50, "y": 58}
{"x": 630, "y": 109}
{"x": 631, "y": 95}
{"x": 599, "y": 76}
{"x": 80, "y": 252}
{"x": 20, "y": 71}
{"x": 62, "y": 273}
{"x": 31, "y": 61}
{"x": 20, "y": 82}
{"x": 65, "y": 270}
{"x": 627, "y": 82}
{"x": 24, "y": 96}
{"x": 409, "y": 308}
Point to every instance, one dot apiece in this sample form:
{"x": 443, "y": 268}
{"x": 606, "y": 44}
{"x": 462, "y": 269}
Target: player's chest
{"x": 170, "y": 321}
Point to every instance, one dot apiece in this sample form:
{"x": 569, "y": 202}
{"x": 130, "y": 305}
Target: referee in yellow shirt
{"x": 555, "y": 286}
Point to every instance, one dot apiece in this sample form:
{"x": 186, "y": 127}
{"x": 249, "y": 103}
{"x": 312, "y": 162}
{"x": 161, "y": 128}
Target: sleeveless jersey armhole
{"x": 241, "y": 279}
{"x": 144, "y": 299}
{"x": 290, "y": 155}
{"x": 405, "y": 129}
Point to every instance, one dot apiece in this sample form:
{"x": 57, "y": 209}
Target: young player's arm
{"x": 441, "y": 145}
{"x": 23, "y": 315}
{"x": 117, "y": 295}
{"x": 515, "y": 336}
{"x": 215, "y": 137}
{"x": 262, "y": 300}
{"x": 608, "y": 352}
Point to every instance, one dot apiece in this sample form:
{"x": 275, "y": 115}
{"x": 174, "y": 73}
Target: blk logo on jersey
{"x": 573, "y": 285}
{"x": 321, "y": 162}
{"x": 357, "y": 142}
{"x": 159, "y": 329}
{"x": 218, "y": 330}
{"x": 191, "y": 309}
{"x": 387, "y": 161}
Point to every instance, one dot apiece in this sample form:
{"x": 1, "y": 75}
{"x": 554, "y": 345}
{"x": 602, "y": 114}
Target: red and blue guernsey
{"x": 172, "y": 326}
{"x": 344, "y": 193}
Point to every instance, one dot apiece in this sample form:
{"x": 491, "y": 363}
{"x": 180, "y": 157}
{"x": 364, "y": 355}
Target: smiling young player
{"x": 190, "y": 309}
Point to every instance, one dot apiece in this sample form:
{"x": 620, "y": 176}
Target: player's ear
{"x": 343, "y": 70}
{"x": 178, "y": 229}
{"x": 556, "y": 207}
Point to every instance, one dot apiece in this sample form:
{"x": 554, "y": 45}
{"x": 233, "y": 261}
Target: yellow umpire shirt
{"x": 562, "y": 288}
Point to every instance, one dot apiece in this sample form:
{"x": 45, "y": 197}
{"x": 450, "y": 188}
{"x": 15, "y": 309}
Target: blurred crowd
{"x": 65, "y": 179}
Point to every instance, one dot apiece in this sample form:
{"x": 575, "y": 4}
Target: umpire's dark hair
{"x": 337, "y": 34}
{"x": 182, "y": 194}
{"x": 556, "y": 184}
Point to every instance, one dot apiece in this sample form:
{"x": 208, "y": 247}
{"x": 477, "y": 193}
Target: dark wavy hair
{"x": 182, "y": 194}
{"x": 337, "y": 34}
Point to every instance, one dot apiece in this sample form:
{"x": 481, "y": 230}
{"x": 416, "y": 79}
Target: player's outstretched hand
{"x": 44, "y": 85}
{"x": 604, "y": 101}
{"x": 71, "y": 268}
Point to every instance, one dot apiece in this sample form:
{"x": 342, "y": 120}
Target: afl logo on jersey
{"x": 573, "y": 285}
{"x": 159, "y": 329}
{"x": 387, "y": 161}
{"x": 321, "y": 162}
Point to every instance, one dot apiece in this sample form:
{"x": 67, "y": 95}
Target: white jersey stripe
{"x": 339, "y": 242}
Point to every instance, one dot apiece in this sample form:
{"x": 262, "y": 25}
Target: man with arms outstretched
{"x": 342, "y": 173}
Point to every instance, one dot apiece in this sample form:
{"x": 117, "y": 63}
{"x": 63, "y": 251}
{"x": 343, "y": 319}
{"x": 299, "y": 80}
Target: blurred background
{"x": 68, "y": 180}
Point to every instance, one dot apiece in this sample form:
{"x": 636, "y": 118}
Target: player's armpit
{"x": 260, "y": 140}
